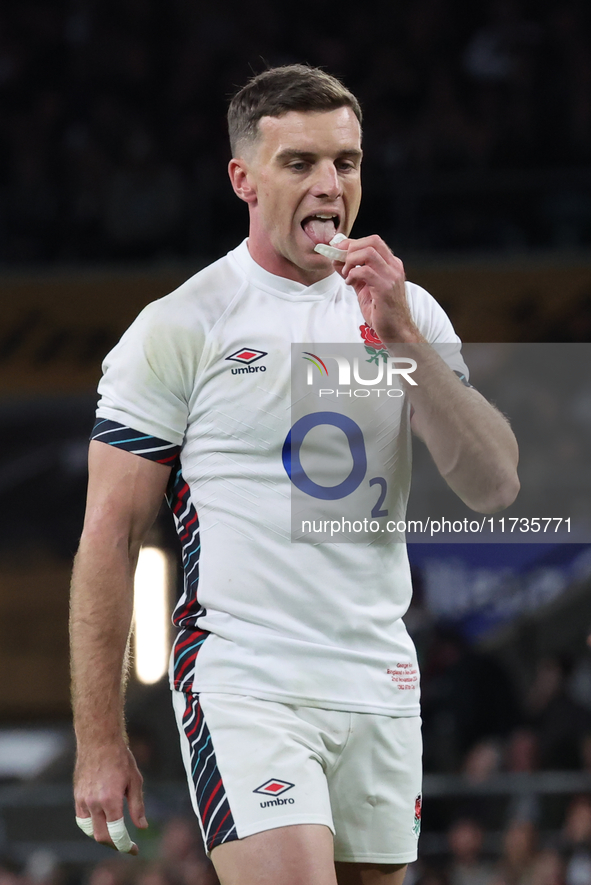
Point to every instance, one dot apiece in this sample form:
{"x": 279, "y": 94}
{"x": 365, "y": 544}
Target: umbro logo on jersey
{"x": 247, "y": 355}
{"x": 275, "y": 787}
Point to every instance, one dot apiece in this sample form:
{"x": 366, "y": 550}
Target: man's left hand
{"x": 377, "y": 276}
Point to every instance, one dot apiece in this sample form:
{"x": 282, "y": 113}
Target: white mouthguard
{"x": 331, "y": 252}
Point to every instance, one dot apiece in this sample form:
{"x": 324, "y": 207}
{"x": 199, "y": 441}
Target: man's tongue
{"x": 320, "y": 230}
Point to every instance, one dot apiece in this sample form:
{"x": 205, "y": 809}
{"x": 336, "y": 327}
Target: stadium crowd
{"x": 112, "y": 119}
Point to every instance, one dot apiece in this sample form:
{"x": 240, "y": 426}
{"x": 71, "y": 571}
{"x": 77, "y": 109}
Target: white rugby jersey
{"x": 318, "y": 625}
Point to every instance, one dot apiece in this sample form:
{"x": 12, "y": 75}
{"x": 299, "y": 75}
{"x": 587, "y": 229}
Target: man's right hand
{"x": 103, "y": 778}
{"x": 124, "y": 496}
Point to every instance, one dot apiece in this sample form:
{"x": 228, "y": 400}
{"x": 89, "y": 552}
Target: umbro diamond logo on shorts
{"x": 274, "y": 787}
{"x": 247, "y": 355}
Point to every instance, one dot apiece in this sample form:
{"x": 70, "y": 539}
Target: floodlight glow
{"x": 151, "y": 615}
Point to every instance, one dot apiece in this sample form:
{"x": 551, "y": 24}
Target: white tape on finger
{"x": 119, "y": 835}
{"x": 85, "y": 824}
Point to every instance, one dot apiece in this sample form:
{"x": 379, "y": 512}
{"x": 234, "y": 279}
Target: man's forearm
{"x": 100, "y": 619}
{"x": 470, "y": 441}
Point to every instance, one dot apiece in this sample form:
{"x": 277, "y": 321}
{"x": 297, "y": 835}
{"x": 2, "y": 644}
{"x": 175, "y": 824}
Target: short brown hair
{"x": 279, "y": 90}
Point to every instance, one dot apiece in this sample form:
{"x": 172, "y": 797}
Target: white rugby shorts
{"x": 254, "y": 765}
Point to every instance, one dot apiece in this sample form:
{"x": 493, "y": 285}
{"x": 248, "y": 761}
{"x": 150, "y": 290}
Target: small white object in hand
{"x": 331, "y": 252}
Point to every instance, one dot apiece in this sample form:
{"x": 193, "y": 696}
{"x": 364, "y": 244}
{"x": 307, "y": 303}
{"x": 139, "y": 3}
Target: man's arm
{"x": 124, "y": 495}
{"x": 470, "y": 441}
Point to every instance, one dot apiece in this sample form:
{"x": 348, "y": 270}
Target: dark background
{"x": 113, "y": 139}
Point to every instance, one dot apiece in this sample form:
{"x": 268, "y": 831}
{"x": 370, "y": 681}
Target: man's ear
{"x": 242, "y": 180}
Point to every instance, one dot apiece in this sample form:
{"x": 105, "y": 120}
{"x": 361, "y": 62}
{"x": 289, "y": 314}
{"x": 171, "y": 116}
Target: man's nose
{"x": 327, "y": 182}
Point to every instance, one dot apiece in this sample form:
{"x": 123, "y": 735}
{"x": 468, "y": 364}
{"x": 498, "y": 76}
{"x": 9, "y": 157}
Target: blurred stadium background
{"x": 112, "y": 191}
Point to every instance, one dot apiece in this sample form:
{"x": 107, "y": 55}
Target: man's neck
{"x": 280, "y": 266}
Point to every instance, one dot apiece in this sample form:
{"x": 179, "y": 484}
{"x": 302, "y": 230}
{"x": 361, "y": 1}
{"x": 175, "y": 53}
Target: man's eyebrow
{"x": 294, "y": 154}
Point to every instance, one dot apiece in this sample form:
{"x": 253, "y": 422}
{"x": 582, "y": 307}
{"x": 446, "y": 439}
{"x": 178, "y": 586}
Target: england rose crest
{"x": 373, "y": 345}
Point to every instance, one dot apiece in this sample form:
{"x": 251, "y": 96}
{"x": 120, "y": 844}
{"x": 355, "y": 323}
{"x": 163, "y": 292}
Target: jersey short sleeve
{"x": 124, "y": 437}
{"x": 148, "y": 376}
{"x": 435, "y": 325}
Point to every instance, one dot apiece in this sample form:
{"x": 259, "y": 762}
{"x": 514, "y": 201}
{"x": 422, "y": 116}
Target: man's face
{"x": 304, "y": 176}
